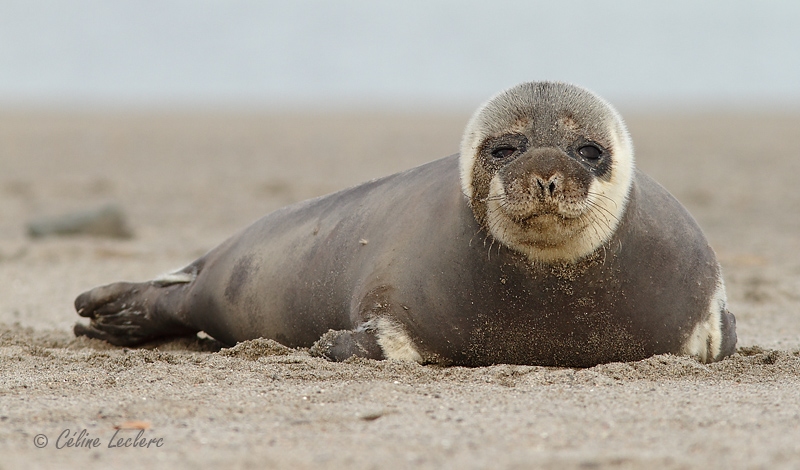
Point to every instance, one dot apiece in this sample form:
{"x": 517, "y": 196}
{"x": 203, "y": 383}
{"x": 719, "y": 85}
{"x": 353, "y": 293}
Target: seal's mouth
{"x": 533, "y": 211}
{"x": 538, "y": 226}
{"x": 535, "y": 217}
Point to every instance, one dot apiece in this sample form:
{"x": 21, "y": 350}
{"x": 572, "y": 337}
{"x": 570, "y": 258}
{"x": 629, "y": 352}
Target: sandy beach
{"x": 188, "y": 180}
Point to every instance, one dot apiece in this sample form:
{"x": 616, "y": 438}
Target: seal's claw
{"x": 91, "y": 302}
{"x": 91, "y": 332}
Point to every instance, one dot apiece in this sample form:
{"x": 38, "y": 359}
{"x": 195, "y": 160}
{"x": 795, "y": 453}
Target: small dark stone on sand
{"x": 107, "y": 221}
{"x": 371, "y": 415}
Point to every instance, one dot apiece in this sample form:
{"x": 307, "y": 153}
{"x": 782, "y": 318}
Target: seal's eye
{"x": 589, "y": 152}
{"x": 504, "y": 151}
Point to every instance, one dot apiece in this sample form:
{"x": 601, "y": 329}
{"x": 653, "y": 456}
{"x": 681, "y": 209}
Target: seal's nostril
{"x": 552, "y": 187}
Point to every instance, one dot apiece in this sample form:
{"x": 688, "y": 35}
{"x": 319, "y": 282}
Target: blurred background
{"x": 189, "y": 119}
{"x": 414, "y": 54}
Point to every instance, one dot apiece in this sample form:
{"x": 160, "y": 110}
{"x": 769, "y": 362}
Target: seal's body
{"x": 559, "y": 255}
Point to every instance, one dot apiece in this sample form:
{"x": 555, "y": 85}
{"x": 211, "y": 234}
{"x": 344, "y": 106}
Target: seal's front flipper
{"x": 338, "y": 345}
{"x": 127, "y": 314}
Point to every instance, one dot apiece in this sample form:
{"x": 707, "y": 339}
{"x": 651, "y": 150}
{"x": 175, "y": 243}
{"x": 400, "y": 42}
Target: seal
{"x": 540, "y": 244}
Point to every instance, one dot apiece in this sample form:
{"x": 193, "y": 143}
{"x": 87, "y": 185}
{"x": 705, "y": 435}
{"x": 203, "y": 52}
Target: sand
{"x": 187, "y": 181}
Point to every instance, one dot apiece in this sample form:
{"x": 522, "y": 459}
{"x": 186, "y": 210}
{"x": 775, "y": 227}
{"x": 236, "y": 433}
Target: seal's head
{"x": 547, "y": 168}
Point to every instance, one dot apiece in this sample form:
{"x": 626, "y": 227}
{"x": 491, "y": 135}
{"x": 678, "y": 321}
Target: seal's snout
{"x": 546, "y": 175}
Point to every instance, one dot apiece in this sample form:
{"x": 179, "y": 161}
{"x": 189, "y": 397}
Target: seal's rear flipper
{"x": 338, "y": 345}
{"x": 127, "y": 314}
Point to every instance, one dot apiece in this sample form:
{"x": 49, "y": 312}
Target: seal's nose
{"x": 549, "y": 185}
{"x": 541, "y": 169}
